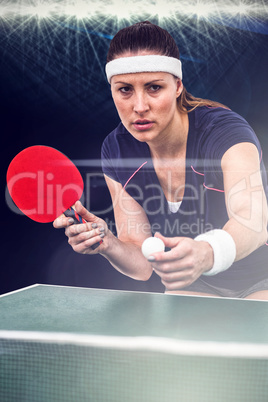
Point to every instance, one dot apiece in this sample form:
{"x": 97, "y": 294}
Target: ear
{"x": 179, "y": 87}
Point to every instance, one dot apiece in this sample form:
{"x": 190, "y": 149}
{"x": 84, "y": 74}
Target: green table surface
{"x": 122, "y": 313}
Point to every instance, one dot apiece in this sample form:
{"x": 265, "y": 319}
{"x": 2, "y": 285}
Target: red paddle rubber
{"x": 71, "y": 213}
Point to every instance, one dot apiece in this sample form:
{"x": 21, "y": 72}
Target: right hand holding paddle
{"x": 82, "y": 237}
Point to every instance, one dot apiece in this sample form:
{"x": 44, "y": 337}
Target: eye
{"x": 154, "y": 88}
{"x": 125, "y": 90}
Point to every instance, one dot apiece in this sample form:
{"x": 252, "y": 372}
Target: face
{"x": 147, "y": 104}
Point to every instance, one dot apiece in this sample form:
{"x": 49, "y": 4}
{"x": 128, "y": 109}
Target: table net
{"x": 60, "y": 367}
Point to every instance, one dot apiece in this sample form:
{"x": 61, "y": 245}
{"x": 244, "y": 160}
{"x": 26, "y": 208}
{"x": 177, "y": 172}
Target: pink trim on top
{"x": 212, "y": 188}
{"x": 201, "y": 174}
{"x": 208, "y": 188}
{"x": 133, "y": 175}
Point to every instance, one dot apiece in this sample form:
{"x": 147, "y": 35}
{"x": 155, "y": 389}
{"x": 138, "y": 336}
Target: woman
{"x": 187, "y": 170}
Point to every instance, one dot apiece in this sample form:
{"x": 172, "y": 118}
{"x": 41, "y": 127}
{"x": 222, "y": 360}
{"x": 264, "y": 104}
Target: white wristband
{"x": 224, "y": 249}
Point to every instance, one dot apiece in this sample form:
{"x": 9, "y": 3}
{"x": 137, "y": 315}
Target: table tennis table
{"x": 62, "y": 343}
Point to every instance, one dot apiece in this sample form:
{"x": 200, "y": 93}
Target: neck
{"x": 173, "y": 141}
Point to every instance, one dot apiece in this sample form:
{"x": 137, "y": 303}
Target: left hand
{"x": 184, "y": 263}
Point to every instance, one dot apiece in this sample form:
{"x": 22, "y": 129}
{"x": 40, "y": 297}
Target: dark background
{"x": 54, "y": 92}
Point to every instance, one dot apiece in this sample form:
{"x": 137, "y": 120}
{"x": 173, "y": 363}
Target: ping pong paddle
{"x": 44, "y": 183}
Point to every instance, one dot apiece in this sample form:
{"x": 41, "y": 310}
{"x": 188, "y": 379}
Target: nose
{"x": 140, "y": 105}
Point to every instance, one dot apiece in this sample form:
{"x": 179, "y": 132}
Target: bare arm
{"x": 123, "y": 251}
{"x": 245, "y": 198}
{"x": 247, "y": 209}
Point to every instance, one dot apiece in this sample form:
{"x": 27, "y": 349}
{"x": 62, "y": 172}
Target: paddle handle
{"x": 71, "y": 213}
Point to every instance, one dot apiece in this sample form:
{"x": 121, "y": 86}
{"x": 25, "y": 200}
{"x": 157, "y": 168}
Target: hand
{"x": 184, "y": 263}
{"x": 83, "y": 236}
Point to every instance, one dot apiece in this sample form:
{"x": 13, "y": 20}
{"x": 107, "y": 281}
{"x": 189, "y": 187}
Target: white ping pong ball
{"x": 152, "y": 245}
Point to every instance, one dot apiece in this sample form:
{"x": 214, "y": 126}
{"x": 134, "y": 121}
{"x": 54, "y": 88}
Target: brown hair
{"x": 147, "y": 36}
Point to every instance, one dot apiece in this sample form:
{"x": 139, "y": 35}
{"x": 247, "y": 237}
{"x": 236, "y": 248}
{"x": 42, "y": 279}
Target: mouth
{"x": 142, "y": 125}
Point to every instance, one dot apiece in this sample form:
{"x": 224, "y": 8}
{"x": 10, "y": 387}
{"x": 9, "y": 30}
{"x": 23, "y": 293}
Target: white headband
{"x": 142, "y": 64}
